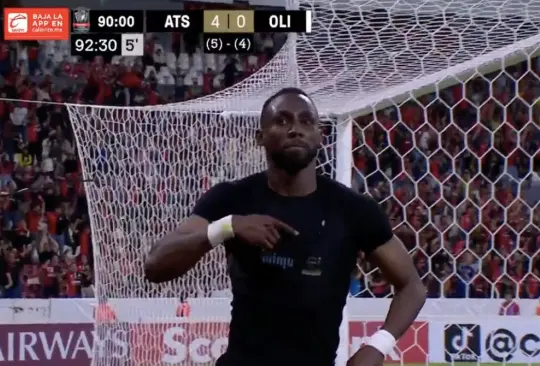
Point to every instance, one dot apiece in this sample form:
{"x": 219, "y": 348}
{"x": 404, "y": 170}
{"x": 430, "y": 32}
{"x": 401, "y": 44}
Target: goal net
{"x": 428, "y": 106}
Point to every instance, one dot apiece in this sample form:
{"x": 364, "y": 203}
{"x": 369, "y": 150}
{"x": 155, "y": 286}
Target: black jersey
{"x": 287, "y": 303}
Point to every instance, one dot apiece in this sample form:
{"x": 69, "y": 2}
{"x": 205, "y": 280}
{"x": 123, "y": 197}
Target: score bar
{"x": 229, "y": 21}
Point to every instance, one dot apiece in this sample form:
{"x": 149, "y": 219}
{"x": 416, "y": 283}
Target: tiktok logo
{"x": 462, "y": 342}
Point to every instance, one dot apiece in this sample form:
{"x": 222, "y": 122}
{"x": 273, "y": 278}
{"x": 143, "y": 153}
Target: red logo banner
{"x": 153, "y": 344}
{"x": 60, "y": 344}
{"x": 411, "y": 348}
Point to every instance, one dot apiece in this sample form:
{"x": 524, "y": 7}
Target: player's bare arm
{"x": 180, "y": 250}
{"x": 397, "y": 267}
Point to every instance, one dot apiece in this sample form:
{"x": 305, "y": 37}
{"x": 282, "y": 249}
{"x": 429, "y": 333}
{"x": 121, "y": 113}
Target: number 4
{"x": 215, "y": 21}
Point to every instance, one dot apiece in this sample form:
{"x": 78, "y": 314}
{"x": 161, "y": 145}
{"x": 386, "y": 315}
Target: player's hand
{"x": 260, "y": 230}
{"x": 366, "y": 356}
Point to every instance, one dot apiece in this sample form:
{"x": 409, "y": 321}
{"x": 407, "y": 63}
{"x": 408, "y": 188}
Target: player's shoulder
{"x": 240, "y": 185}
{"x": 367, "y": 219}
{"x": 249, "y": 181}
{"x": 253, "y": 180}
{"x": 347, "y": 197}
{"x": 226, "y": 198}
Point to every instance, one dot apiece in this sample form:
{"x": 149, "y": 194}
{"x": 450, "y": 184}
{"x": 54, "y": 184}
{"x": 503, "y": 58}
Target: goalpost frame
{"x": 346, "y": 111}
{"x": 461, "y": 73}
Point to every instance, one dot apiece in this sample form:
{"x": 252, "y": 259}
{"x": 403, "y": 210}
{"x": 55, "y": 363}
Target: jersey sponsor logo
{"x": 412, "y": 347}
{"x": 462, "y": 342}
{"x": 312, "y": 267}
{"x": 276, "y": 260}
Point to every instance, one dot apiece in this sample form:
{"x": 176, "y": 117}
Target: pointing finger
{"x": 283, "y": 226}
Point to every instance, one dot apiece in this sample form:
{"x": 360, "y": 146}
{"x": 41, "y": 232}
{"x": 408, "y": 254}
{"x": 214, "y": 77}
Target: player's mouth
{"x": 296, "y": 144}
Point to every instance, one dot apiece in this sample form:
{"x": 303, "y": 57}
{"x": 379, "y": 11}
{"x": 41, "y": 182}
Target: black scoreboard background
{"x": 198, "y": 21}
{"x": 224, "y": 31}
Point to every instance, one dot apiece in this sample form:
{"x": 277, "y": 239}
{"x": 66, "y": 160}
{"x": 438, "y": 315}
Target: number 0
{"x": 240, "y": 21}
{"x": 215, "y": 21}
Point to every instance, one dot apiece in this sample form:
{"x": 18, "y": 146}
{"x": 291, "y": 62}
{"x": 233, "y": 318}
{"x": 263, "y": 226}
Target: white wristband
{"x": 220, "y": 230}
{"x": 382, "y": 341}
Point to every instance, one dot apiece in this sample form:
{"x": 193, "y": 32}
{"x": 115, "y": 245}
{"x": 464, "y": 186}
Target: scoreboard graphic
{"x": 121, "y": 32}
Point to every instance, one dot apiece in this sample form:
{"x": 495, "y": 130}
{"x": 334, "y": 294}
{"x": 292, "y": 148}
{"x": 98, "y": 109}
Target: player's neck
{"x": 299, "y": 184}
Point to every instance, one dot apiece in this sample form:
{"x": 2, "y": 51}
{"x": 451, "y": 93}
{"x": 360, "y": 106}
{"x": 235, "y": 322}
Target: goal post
{"x": 149, "y": 165}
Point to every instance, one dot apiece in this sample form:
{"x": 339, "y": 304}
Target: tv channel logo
{"x": 17, "y": 22}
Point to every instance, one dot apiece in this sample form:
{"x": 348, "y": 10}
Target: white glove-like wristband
{"x": 220, "y": 230}
{"x": 382, "y": 341}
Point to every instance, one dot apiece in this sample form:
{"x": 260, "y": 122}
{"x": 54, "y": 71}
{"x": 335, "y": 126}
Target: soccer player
{"x": 292, "y": 239}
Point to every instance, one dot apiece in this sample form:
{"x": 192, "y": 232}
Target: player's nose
{"x": 294, "y": 130}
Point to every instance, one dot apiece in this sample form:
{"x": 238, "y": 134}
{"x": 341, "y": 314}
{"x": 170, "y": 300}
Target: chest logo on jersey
{"x": 312, "y": 267}
{"x": 277, "y": 260}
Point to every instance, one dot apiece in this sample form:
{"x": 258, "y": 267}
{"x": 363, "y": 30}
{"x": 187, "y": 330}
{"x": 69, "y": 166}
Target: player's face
{"x": 290, "y": 132}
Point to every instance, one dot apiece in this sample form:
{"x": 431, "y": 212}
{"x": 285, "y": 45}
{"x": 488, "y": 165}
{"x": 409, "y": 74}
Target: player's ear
{"x": 320, "y": 138}
{"x": 259, "y": 137}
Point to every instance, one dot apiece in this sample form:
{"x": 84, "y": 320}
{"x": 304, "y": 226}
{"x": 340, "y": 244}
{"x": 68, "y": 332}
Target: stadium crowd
{"x": 458, "y": 174}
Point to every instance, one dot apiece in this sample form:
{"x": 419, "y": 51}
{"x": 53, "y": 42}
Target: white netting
{"x": 148, "y": 169}
{"x": 363, "y": 52}
{"x": 149, "y": 165}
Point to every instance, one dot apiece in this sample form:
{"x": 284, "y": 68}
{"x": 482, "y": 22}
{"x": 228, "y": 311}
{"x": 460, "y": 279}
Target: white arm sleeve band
{"x": 383, "y": 341}
{"x": 220, "y": 230}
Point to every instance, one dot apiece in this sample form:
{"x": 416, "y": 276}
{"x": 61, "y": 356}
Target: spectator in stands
{"x": 230, "y": 71}
{"x": 509, "y": 306}
{"x": 51, "y": 271}
{"x": 12, "y": 272}
{"x": 470, "y": 199}
{"x": 86, "y": 283}
{"x": 104, "y": 313}
{"x": 357, "y": 287}
{"x": 183, "y": 310}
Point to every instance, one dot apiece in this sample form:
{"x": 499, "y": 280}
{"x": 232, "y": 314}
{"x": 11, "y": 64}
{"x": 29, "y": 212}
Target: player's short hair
{"x": 288, "y": 90}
